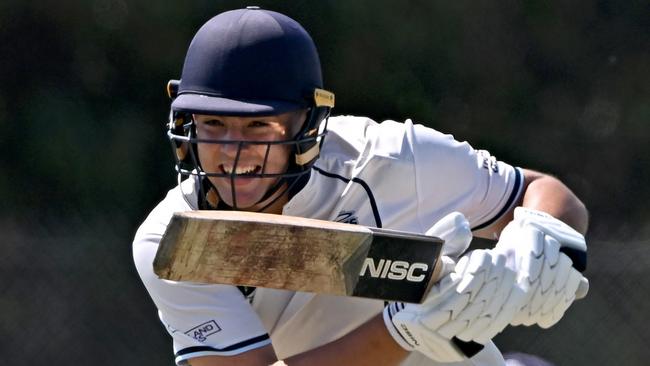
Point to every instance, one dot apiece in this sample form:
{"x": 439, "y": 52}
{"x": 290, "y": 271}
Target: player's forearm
{"x": 370, "y": 344}
{"x": 546, "y": 193}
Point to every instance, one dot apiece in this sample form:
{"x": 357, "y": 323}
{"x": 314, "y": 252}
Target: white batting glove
{"x": 466, "y": 308}
{"x": 534, "y": 243}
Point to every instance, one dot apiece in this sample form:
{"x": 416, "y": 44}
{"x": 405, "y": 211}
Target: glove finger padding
{"x": 583, "y": 288}
{"x": 533, "y": 244}
{"x": 494, "y": 304}
{"x": 454, "y": 229}
{"x": 468, "y": 304}
{"x": 456, "y": 233}
{"x": 565, "y": 298}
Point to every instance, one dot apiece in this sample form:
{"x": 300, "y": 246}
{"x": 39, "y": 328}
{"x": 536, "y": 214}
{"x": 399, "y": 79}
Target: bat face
{"x": 291, "y": 253}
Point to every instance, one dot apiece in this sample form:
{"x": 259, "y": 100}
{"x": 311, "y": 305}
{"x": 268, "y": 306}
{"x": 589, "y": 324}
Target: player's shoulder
{"x": 387, "y": 138}
{"x": 346, "y": 133}
{"x": 357, "y": 128}
{"x": 178, "y": 199}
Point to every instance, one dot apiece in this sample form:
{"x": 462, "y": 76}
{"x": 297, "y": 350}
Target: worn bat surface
{"x": 299, "y": 254}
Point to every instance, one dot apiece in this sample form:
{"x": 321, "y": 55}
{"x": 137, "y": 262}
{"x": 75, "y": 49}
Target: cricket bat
{"x": 298, "y": 254}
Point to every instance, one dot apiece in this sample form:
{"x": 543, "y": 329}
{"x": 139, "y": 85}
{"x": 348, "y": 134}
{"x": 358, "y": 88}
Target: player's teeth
{"x": 245, "y": 170}
{"x": 240, "y": 169}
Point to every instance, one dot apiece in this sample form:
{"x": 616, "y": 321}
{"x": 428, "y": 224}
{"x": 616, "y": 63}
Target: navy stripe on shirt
{"x": 513, "y": 195}
{"x": 233, "y": 347}
{"x": 363, "y": 184}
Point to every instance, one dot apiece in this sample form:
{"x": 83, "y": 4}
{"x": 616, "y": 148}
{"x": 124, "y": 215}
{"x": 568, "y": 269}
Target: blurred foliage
{"x": 561, "y": 87}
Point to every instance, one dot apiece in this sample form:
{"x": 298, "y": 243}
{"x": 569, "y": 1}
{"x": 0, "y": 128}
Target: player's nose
{"x": 233, "y": 141}
{"x": 231, "y": 148}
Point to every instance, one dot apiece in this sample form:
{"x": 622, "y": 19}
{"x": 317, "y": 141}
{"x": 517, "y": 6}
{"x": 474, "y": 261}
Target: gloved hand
{"x": 473, "y": 301}
{"x": 535, "y": 244}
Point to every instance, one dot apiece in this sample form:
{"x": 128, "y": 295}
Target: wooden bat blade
{"x": 291, "y": 253}
{"x": 252, "y": 249}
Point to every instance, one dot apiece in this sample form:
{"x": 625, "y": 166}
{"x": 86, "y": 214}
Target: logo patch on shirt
{"x": 489, "y": 162}
{"x": 347, "y": 217}
{"x": 203, "y": 331}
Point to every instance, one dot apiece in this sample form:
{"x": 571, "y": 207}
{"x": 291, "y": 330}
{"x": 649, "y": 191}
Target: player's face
{"x": 253, "y": 158}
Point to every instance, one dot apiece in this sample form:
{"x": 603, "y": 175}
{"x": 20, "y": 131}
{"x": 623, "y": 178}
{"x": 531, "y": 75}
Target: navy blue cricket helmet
{"x": 250, "y": 62}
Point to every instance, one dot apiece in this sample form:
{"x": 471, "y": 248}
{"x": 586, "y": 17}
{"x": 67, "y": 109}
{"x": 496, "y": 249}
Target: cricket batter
{"x": 251, "y": 128}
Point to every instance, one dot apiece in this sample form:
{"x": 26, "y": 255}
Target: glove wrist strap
{"x": 388, "y": 313}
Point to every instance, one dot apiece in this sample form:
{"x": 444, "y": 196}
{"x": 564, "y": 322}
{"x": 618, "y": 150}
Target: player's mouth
{"x": 240, "y": 169}
{"x": 244, "y": 177}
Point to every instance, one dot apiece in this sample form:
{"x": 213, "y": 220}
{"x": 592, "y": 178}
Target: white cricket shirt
{"x": 393, "y": 175}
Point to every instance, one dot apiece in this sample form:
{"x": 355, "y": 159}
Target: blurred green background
{"x": 562, "y": 87}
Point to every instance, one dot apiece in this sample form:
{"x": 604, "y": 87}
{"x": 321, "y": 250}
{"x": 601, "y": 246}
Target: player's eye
{"x": 257, "y": 124}
{"x": 212, "y": 123}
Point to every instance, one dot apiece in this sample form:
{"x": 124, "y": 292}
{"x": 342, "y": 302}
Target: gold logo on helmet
{"x": 323, "y": 98}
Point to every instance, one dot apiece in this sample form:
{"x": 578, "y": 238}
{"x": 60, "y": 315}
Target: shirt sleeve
{"x": 452, "y": 176}
{"x": 202, "y": 319}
